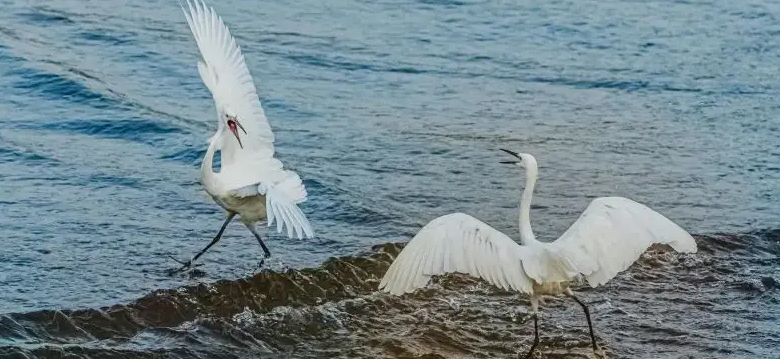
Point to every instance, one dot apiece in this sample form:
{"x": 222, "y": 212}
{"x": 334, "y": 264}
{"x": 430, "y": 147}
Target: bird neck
{"x": 207, "y": 177}
{"x": 526, "y": 233}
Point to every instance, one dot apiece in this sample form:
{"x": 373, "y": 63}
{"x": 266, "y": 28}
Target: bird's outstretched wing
{"x": 612, "y": 233}
{"x": 461, "y": 243}
{"x": 227, "y": 77}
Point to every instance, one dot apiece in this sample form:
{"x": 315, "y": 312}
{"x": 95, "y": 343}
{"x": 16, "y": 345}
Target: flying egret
{"x": 607, "y": 238}
{"x": 251, "y": 182}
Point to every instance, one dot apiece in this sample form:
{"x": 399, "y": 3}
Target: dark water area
{"x": 392, "y": 113}
{"x": 720, "y": 303}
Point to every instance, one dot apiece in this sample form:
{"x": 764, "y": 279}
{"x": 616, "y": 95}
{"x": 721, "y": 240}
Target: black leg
{"x": 252, "y": 229}
{"x": 214, "y": 241}
{"x": 587, "y": 316}
{"x": 536, "y": 337}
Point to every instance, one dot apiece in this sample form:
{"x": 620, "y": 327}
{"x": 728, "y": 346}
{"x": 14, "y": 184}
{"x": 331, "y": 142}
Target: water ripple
{"x": 392, "y": 116}
{"x": 318, "y": 311}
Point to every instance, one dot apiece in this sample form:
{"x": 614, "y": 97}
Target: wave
{"x": 335, "y": 311}
{"x": 56, "y": 87}
{"x": 137, "y": 130}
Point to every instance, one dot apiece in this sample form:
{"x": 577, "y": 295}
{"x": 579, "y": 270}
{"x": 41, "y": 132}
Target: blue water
{"x": 391, "y": 112}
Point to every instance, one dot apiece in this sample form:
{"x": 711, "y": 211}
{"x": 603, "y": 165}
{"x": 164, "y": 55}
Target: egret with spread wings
{"x": 251, "y": 182}
{"x": 606, "y": 239}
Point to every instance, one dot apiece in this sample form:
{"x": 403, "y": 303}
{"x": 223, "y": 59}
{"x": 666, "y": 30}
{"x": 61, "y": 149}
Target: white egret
{"x": 607, "y": 238}
{"x": 251, "y": 182}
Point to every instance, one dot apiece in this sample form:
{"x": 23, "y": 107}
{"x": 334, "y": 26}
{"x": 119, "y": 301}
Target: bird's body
{"x": 607, "y": 238}
{"x": 251, "y": 183}
{"x": 250, "y": 209}
{"x": 551, "y": 288}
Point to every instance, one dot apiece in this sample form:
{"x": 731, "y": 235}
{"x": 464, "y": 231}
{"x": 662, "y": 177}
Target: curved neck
{"x": 526, "y": 233}
{"x": 207, "y": 177}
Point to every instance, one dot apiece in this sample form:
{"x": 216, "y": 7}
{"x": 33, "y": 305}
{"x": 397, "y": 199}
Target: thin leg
{"x": 587, "y": 316}
{"x": 216, "y": 239}
{"x": 536, "y": 337}
{"x": 267, "y": 253}
{"x": 535, "y": 307}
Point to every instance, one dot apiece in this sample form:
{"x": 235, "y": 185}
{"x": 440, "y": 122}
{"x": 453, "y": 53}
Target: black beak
{"x": 239, "y": 125}
{"x": 513, "y": 153}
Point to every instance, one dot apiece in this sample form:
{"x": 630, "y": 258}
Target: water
{"x": 392, "y": 113}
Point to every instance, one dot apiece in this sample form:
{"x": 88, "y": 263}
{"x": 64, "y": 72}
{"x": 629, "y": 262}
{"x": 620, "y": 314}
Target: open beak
{"x": 234, "y": 125}
{"x": 513, "y": 153}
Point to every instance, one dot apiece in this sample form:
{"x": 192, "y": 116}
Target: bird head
{"x": 233, "y": 124}
{"x": 523, "y": 160}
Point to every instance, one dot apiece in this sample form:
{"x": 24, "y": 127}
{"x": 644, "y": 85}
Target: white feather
{"x": 606, "y": 239}
{"x": 475, "y": 249}
{"x": 247, "y": 169}
{"x": 283, "y": 210}
{"x": 224, "y": 72}
{"x": 612, "y": 233}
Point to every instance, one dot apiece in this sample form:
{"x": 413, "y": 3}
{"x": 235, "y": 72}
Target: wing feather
{"x": 285, "y": 213}
{"x": 244, "y": 179}
{"x": 612, "y": 233}
{"x": 458, "y": 243}
{"x": 225, "y": 74}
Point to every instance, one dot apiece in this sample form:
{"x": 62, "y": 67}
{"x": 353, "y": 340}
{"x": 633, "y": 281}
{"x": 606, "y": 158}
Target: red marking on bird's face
{"x": 234, "y": 125}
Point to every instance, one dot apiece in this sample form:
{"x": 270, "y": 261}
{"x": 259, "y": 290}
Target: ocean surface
{"x": 392, "y": 112}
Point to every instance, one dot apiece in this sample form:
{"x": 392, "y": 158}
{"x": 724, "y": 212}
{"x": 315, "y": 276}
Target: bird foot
{"x": 262, "y": 263}
{"x": 185, "y": 265}
{"x": 266, "y": 255}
